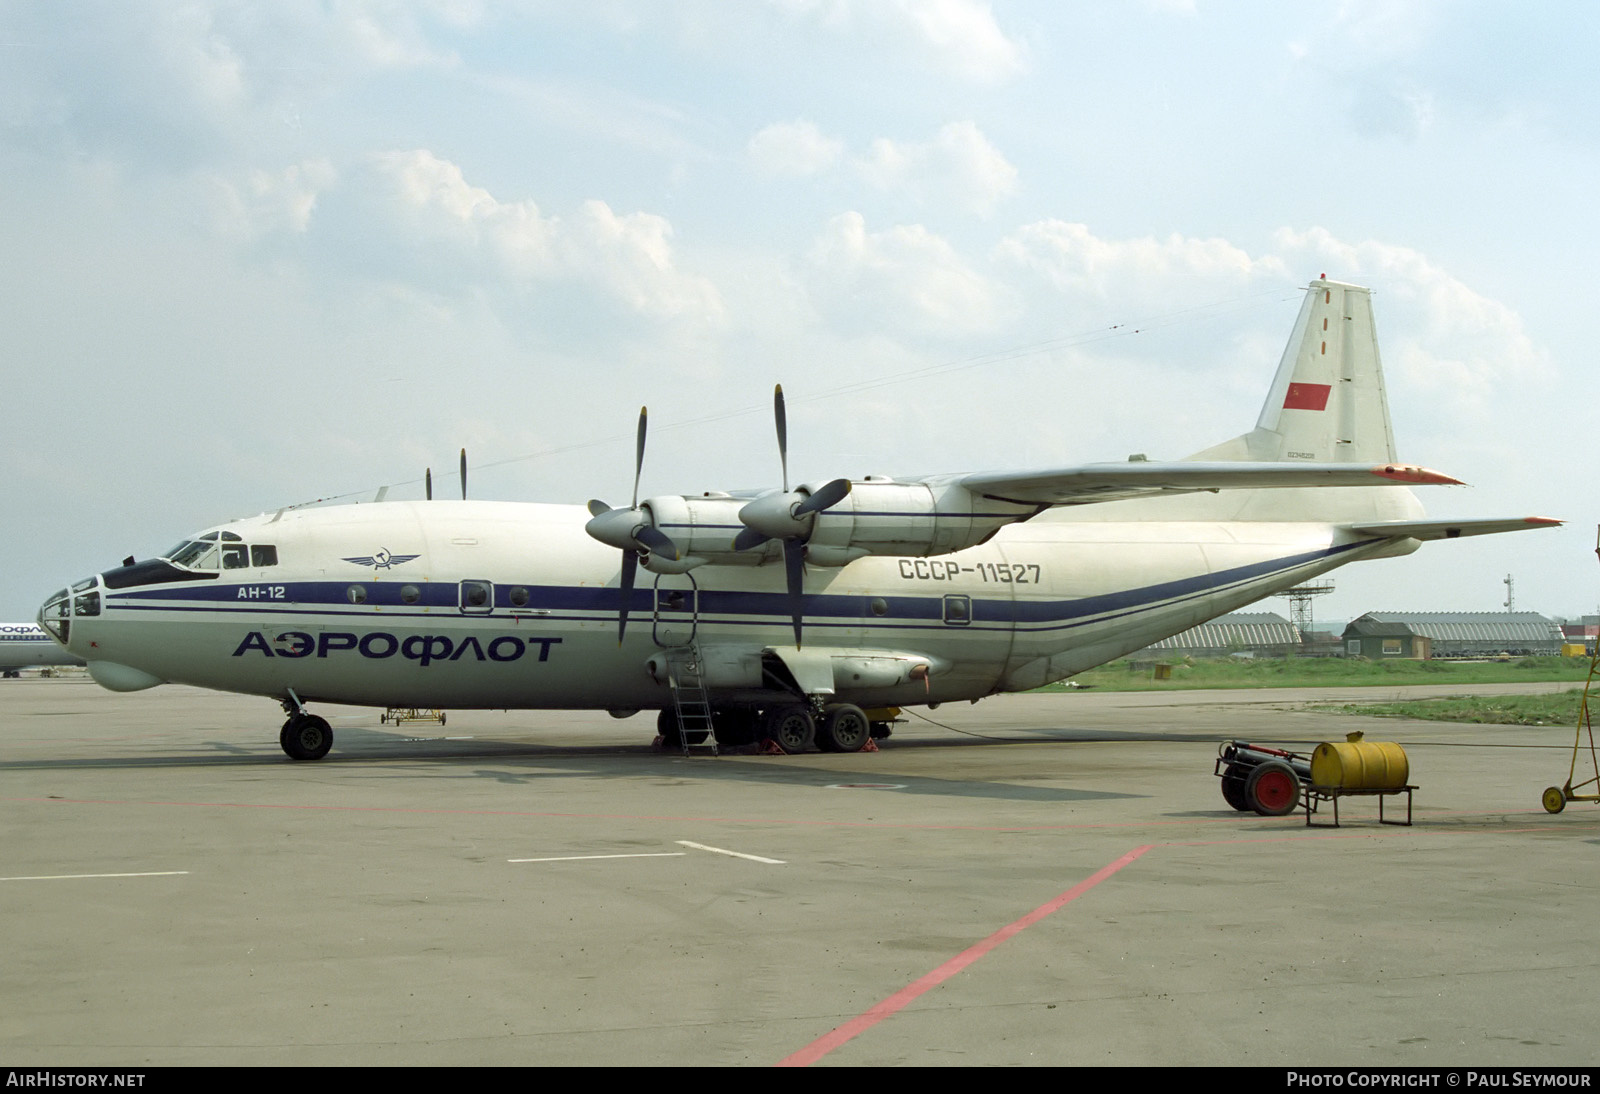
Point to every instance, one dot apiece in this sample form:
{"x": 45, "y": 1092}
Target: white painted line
{"x": 735, "y": 854}
{"x": 581, "y": 858}
{"x": 68, "y": 877}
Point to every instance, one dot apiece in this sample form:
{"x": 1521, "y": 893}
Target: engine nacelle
{"x": 882, "y": 517}
{"x": 703, "y": 526}
{"x": 878, "y": 517}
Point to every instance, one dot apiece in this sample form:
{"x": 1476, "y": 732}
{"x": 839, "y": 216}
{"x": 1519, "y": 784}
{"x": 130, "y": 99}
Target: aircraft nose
{"x": 55, "y": 616}
{"x": 58, "y": 611}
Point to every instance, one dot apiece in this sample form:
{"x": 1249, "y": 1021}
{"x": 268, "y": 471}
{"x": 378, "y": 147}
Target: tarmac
{"x": 1041, "y": 879}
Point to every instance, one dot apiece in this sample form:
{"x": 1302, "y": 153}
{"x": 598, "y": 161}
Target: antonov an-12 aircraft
{"x": 805, "y": 617}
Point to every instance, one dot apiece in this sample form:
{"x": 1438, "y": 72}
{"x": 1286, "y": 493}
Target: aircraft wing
{"x": 1449, "y": 529}
{"x": 1142, "y": 478}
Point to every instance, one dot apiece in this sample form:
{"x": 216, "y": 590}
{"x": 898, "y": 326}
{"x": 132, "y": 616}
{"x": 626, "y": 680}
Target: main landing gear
{"x": 793, "y": 727}
{"x": 304, "y": 736}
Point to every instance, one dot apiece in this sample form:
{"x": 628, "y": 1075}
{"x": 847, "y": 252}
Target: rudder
{"x": 1327, "y": 402}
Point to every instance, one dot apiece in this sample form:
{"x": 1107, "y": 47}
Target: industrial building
{"x": 1421, "y": 635}
{"x": 1259, "y": 634}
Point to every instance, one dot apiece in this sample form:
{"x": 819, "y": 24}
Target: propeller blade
{"x": 794, "y": 566}
{"x": 427, "y": 483}
{"x": 463, "y": 474}
{"x": 626, "y": 529}
{"x": 638, "y": 457}
{"x": 658, "y": 542}
{"x": 827, "y": 496}
{"x": 630, "y": 567}
{"x": 783, "y": 433}
{"x": 748, "y": 538}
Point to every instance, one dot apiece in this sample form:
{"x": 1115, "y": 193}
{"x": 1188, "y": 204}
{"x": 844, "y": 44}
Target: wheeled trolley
{"x": 1555, "y": 798}
{"x": 1266, "y": 780}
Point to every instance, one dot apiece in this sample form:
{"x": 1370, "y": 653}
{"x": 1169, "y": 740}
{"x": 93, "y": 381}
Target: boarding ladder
{"x": 690, "y": 700}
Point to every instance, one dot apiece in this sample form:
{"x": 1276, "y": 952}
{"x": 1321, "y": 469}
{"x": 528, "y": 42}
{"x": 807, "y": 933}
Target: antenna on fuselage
{"x": 463, "y": 474}
{"x": 427, "y": 483}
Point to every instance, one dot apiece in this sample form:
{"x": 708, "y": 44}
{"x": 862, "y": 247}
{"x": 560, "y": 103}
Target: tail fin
{"x": 1327, "y": 402}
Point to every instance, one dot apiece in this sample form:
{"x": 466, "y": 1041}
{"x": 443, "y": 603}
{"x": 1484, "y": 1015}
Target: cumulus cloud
{"x": 905, "y": 277}
{"x": 1446, "y": 346}
{"x": 263, "y": 202}
{"x": 958, "y": 164}
{"x": 966, "y": 34}
{"x": 961, "y": 37}
{"x": 957, "y": 167}
{"x": 796, "y": 148}
{"x": 626, "y": 256}
{"x": 1076, "y": 263}
{"x": 1459, "y": 345}
{"x": 175, "y": 83}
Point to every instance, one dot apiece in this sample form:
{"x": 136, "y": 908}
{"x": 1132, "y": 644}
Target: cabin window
{"x": 86, "y": 604}
{"x": 235, "y": 556}
{"x": 518, "y": 596}
{"x": 410, "y": 594}
{"x": 263, "y": 554}
{"x": 879, "y": 606}
{"x": 476, "y": 596}
{"x": 356, "y": 594}
{"x": 958, "y": 610}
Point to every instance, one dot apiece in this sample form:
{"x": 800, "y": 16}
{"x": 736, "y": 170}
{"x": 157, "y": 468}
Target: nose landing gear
{"x": 304, "y": 736}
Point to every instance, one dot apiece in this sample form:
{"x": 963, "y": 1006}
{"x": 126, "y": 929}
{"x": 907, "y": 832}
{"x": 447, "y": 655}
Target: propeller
{"x": 788, "y": 516}
{"x": 631, "y": 531}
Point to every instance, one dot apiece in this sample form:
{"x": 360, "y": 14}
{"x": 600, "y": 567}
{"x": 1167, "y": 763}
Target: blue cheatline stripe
{"x": 717, "y": 607}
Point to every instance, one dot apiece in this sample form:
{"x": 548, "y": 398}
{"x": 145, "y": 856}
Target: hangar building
{"x": 1420, "y": 635}
{"x": 1263, "y": 634}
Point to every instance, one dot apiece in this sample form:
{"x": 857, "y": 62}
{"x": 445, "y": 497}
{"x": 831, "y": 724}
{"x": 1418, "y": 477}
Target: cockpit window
{"x": 54, "y": 616}
{"x": 207, "y": 553}
{"x": 197, "y": 554}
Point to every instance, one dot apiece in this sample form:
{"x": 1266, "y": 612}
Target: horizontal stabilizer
{"x": 1450, "y": 529}
{"x": 1137, "y": 478}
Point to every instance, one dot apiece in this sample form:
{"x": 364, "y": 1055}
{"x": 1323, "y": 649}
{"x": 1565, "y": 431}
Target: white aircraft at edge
{"x": 27, "y": 646}
{"x": 802, "y": 616}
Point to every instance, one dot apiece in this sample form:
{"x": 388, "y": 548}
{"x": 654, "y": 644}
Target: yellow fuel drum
{"x": 1360, "y": 765}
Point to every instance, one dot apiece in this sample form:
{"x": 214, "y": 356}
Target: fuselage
{"x": 26, "y": 646}
{"x": 512, "y": 605}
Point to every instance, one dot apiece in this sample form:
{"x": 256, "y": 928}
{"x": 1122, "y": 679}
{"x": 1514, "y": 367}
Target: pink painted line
{"x": 825, "y": 1044}
{"x": 788, "y": 821}
{"x": 1230, "y": 818}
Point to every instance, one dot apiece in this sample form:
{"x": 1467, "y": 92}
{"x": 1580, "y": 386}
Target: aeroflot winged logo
{"x": 381, "y": 559}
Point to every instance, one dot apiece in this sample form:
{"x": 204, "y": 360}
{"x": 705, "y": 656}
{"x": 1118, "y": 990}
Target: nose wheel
{"x": 306, "y": 737}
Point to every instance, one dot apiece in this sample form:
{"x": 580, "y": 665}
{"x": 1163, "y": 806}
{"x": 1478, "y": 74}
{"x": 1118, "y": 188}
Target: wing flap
{"x": 1451, "y": 529}
{"x": 1138, "y": 478}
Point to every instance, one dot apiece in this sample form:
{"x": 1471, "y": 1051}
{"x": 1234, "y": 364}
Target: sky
{"x": 260, "y": 254}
